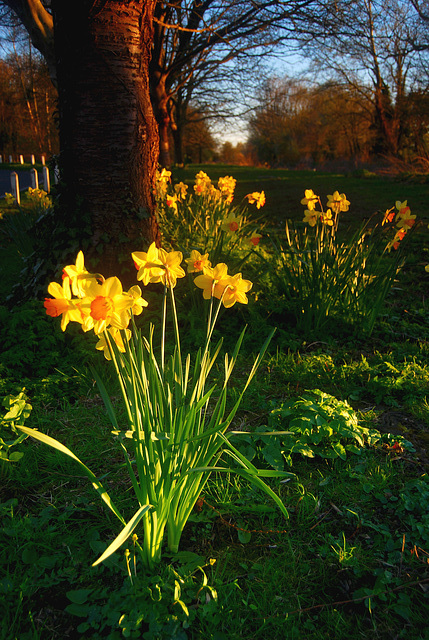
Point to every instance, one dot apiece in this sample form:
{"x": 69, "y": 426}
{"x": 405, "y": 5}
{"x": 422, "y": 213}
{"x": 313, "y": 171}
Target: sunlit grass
{"x": 351, "y": 560}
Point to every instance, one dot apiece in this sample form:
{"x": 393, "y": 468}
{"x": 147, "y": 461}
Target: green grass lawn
{"x": 352, "y": 559}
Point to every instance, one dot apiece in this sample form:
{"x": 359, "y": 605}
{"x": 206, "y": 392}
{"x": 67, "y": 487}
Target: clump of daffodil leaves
{"x": 173, "y": 440}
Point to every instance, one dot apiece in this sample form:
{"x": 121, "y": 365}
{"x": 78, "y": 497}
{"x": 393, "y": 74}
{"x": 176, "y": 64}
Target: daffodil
{"x": 180, "y": 190}
{"x": 257, "y": 198}
{"x": 61, "y": 304}
{"x": 388, "y": 216}
{"x": 196, "y": 262}
{"x": 212, "y": 282}
{"x": 172, "y": 269}
{"x": 231, "y": 224}
{"x": 138, "y": 302}
{"x": 203, "y": 183}
{"x": 105, "y": 304}
{"x": 338, "y": 202}
{"x": 78, "y": 275}
{"x": 405, "y": 219}
{"x": 254, "y": 239}
{"x": 326, "y": 218}
{"x": 399, "y": 235}
{"x": 172, "y": 202}
{"x": 427, "y": 268}
{"x": 150, "y": 267}
{"x": 162, "y": 180}
{"x": 235, "y": 290}
{"x": 401, "y": 205}
{"x": 310, "y": 199}
{"x": 311, "y": 216}
{"x": 226, "y": 186}
{"x": 117, "y": 336}
{"x": 163, "y": 176}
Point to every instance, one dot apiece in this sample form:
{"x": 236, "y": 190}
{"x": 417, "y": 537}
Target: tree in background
{"x": 370, "y": 51}
{"x": 35, "y": 102}
{"x": 298, "y": 123}
{"x": 198, "y": 142}
{"x": 208, "y": 47}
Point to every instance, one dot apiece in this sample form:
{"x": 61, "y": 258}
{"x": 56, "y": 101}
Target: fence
{"x": 20, "y": 159}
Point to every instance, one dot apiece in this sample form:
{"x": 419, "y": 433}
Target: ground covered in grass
{"x": 352, "y": 559}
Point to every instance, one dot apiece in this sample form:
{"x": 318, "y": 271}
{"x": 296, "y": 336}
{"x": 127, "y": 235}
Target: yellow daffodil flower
{"x": 61, "y": 304}
{"x": 236, "y": 290}
{"x": 172, "y": 201}
{"x": 257, "y": 198}
{"x": 106, "y": 304}
{"x": 138, "y": 302}
{"x": 226, "y": 186}
{"x": 405, "y": 220}
{"x": 311, "y": 216}
{"x": 150, "y": 267}
{"x": 231, "y": 224}
{"x": 203, "y": 184}
{"x": 78, "y": 276}
{"x": 399, "y": 235}
{"x": 180, "y": 190}
{"x": 326, "y": 218}
{"x": 338, "y": 202}
{"x": 254, "y": 239}
{"x": 117, "y": 337}
{"x": 172, "y": 269}
{"x": 211, "y": 282}
{"x": 427, "y": 268}
{"x": 163, "y": 176}
{"x": 401, "y": 205}
{"x": 310, "y": 199}
{"x": 196, "y": 262}
{"x": 388, "y": 216}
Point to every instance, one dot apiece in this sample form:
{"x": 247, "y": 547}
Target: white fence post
{"x": 14, "y": 183}
{"x": 1, "y": 159}
{"x": 33, "y": 159}
{"x": 43, "y": 159}
{"x": 10, "y": 159}
{"x": 34, "y": 179}
{"x": 46, "y": 181}
{"x": 21, "y": 159}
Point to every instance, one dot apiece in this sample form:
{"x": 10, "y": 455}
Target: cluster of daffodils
{"x": 156, "y": 265}
{"x": 337, "y": 202}
{"x": 400, "y": 216}
{"x": 208, "y": 202}
{"x": 100, "y": 304}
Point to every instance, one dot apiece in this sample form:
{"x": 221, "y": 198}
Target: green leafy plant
{"x": 320, "y": 425}
{"x": 323, "y": 276}
{"x": 177, "y": 416}
{"x": 156, "y": 606}
{"x": 17, "y": 411}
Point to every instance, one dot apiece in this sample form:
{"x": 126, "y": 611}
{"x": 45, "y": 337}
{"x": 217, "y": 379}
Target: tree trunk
{"x": 108, "y": 134}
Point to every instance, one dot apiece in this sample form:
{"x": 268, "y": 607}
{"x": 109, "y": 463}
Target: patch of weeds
{"x": 163, "y": 604}
{"x": 317, "y": 424}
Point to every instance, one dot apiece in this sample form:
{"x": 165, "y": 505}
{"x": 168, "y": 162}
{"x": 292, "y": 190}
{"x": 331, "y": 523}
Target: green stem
{"x": 164, "y": 318}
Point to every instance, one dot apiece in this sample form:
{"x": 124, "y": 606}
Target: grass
{"x": 351, "y": 561}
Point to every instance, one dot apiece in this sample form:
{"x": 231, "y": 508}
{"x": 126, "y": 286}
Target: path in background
{"x": 24, "y": 181}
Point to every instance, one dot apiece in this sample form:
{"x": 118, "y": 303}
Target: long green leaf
{"x": 94, "y": 480}
{"x": 125, "y": 533}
